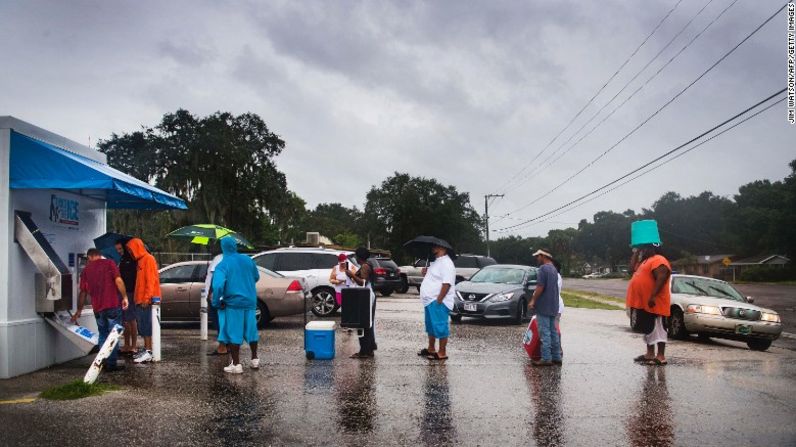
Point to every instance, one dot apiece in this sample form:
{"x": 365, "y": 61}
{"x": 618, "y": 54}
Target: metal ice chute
{"x": 56, "y": 286}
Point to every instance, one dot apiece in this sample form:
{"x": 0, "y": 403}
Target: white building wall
{"x": 27, "y": 342}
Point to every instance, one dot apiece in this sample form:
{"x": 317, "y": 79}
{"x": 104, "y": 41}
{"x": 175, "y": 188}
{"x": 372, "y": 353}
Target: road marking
{"x": 25, "y": 400}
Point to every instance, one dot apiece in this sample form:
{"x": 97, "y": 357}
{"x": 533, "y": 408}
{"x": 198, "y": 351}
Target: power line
{"x": 542, "y": 165}
{"x": 659, "y": 158}
{"x": 591, "y": 100}
{"x": 654, "y": 114}
{"x": 665, "y": 162}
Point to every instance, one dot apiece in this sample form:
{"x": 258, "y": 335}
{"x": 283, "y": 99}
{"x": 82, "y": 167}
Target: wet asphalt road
{"x": 711, "y": 393}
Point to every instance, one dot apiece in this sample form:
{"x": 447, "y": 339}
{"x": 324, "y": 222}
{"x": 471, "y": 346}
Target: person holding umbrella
{"x": 364, "y": 278}
{"x": 436, "y": 293}
{"x": 235, "y": 295}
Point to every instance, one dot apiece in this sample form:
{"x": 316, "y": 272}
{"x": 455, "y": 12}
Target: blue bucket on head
{"x": 644, "y": 232}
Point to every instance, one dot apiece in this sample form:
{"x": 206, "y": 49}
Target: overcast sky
{"x": 464, "y": 92}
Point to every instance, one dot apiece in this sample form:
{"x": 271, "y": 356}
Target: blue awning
{"x": 39, "y": 165}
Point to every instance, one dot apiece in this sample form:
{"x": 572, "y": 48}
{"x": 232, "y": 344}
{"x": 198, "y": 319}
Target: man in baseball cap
{"x": 545, "y": 302}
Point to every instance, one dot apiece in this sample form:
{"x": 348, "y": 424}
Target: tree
{"x": 333, "y": 220}
{"x": 222, "y": 164}
{"x": 403, "y": 207}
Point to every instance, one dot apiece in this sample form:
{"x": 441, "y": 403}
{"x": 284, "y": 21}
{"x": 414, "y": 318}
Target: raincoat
{"x": 147, "y": 281}
{"x": 235, "y": 278}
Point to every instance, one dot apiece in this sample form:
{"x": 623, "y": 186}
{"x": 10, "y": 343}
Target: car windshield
{"x": 499, "y": 275}
{"x": 706, "y": 287}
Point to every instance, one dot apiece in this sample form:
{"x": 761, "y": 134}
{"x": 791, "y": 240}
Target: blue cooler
{"x": 319, "y": 340}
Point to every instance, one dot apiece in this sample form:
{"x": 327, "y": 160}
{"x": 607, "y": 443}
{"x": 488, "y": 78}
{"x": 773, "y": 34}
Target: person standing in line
{"x": 649, "y": 294}
{"x": 436, "y": 293}
{"x": 147, "y": 286}
{"x": 235, "y": 297}
{"x": 557, "y": 265}
{"x": 221, "y": 349}
{"x": 339, "y": 277}
{"x": 545, "y": 302}
{"x": 103, "y": 283}
{"x": 128, "y": 271}
{"x": 364, "y": 278}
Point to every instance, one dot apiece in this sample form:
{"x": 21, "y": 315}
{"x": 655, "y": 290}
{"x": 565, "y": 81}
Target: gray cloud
{"x": 465, "y": 92}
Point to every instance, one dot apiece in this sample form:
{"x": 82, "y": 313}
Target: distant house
{"x": 713, "y": 266}
{"x": 762, "y": 260}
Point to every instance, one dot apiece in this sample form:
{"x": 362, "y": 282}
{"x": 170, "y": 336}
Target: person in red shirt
{"x": 102, "y": 282}
{"x": 649, "y": 293}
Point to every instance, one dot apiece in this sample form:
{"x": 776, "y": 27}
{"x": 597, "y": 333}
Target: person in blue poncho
{"x": 235, "y": 297}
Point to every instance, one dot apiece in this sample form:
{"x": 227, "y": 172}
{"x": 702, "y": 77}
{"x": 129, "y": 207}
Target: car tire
{"x": 386, "y": 292}
{"x": 456, "y": 318}
{"x": 758, "y": 344}
{"x": 404, "y": 286}
{"x": 520, "y": 316}
{"x": 262, "y": 315}
{"x": 676, "y": 325}
{"x": 323, "y": 302}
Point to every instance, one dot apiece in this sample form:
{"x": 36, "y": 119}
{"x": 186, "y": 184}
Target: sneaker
{"x": 255, "y": 363}
{"x": 558, "y": 362}
{"x": 234, "y": 369}
{"x": 143, "y": 357}
{"x": 541, "y": 363}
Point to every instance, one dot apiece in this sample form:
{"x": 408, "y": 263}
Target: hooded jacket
{"x": 147, "y": 280}
{"x": 235, "y": 278}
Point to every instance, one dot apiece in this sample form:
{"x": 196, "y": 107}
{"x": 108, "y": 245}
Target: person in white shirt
{"x": 436, "y": 293}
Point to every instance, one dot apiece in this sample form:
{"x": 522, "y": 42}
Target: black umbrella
{"x": 421, "y": 246}
{"x": 106, "y": 244}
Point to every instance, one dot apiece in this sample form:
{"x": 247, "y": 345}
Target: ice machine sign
{"x": 64, "y": 211}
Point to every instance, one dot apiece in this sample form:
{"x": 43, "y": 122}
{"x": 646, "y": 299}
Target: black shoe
{"x": 116, "y": 368}
{"x": 558, "y": 362}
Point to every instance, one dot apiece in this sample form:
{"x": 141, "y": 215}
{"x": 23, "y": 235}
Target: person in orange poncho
{"x": 147, "y": 286}
{"x": 648, "y": 293}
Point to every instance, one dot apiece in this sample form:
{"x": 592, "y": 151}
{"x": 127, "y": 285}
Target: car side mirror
{"x": 750, "y": 300}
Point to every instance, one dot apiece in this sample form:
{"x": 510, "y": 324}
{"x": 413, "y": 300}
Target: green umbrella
{"x": 202, "y": 234}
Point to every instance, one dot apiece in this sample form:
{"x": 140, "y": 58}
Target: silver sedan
{"x": 714, "y": 308}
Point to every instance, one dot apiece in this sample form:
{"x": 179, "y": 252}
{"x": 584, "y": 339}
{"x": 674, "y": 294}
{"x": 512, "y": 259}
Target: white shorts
{"x": 658, "y": 334}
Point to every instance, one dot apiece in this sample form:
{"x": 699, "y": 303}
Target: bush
{"x": 768, "y": 274}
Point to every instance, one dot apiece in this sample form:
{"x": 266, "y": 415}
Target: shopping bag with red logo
{"x": 531, "y": 341}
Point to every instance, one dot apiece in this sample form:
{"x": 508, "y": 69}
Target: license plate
{"x": 470, "y": 307}
{"x": 743, "y": 329}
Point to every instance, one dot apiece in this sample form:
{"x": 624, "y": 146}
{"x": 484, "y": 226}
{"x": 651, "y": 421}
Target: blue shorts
{"x": 129, "y": 314}
{"x": 143, "y": 316}
{"x": 237, "y": 325}
{"x": 437, "y": 320}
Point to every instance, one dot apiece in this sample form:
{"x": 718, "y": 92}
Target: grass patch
{"x": 77, "y": 390}
{"x": 598, "y": 296}
{"x": 572, "y": 299}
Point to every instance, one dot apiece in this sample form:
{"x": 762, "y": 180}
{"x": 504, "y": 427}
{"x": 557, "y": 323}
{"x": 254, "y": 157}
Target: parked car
{"x": 467, "y": 265}
{"x": 412, "y": 275}
{"x": 714, "y": 308}
{"x": 312, "y": 264}
{"x": 387, "y": 275}
{"x": 593, "y": 275}
{"x": 182, "y": 285}
{"x": 496, "y": 291}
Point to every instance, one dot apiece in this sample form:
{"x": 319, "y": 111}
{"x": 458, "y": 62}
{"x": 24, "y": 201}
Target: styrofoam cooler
{"x": 357, "y": 308}
{"x": 319, "y": 340}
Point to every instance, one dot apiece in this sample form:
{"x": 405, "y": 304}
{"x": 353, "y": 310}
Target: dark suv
{"x": 387, "y": 275}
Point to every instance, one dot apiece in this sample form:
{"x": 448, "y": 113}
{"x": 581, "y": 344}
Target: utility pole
{"x": 486, "y": 217}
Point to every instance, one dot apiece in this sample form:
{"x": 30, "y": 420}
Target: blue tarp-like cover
{"x": 38, "y": 165}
